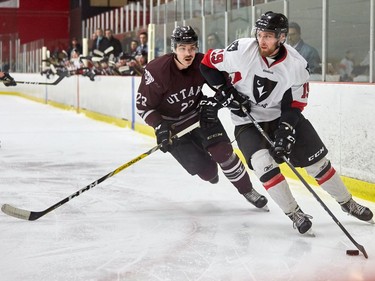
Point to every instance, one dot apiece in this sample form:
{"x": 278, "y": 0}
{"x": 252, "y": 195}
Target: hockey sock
{"x": 236, "y": 172}
{"x": 329, "y": 180}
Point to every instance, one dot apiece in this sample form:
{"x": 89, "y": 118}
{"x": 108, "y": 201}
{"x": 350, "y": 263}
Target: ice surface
{"x": 152, "y": 221}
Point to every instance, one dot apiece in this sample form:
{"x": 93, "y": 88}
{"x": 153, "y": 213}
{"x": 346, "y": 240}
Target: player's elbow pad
{"x": 291, "y": 116}
{"x": 213, "y": 76}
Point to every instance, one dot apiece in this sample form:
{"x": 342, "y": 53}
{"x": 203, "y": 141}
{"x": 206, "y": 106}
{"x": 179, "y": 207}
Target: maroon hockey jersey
{"x": 167, "y": 93}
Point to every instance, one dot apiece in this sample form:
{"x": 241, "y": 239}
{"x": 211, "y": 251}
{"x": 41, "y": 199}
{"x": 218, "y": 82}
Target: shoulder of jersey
{"x": 298, "y": 63}
{"x": 245, "y": 41}
{"x": 200, "y": 55}
{"x": 240, "y": 44}
{"x": 294, "y": 54}
{"x": 160, "y": 64}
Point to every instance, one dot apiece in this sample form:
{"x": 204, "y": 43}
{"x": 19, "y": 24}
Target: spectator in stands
{"x": 346, "y": 67}
{"x": 128, "y": 65}
{"x": 101, "y": 43}
{"x": 364, "y": 67}
{"x": 121, "y": 65}
{"x": 141, "y": 58}
{"x": 114, "y": 42}
{"x": 133, "y": 48}
{"x": 143, "y": 47}
{"x": 93, "y": 39}
{"x": 366, "y": 60}
{"x": 74, "y": 46}
{"x": 125, "y": 42}
{"x": 310, "y": 54}
{"x": 5, "y": 67}
{"x": 75, "y": 63}
{"x": 213, "y": 42}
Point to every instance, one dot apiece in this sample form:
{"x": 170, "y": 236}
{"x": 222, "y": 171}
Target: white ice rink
{"x": 152, "y": 221}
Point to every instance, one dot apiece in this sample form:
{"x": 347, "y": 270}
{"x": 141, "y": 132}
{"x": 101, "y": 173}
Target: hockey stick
{"x": 57, "y": 81}
{"x": 61, "y": 76}
{"x": 265, "y": 135}
{"x": 31, "y": 215}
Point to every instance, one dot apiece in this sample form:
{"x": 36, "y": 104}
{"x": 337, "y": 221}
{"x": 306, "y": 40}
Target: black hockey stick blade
{"x": 32, "y": 215}
{"x": 300, "y": 177}
{"x": 361, "y": 249}
{"x": 359, "y": 246}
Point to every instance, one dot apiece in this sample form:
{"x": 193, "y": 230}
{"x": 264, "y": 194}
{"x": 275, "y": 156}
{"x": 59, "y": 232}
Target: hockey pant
{"x": 309, "y": 152}
{"x": 200, "y": 151}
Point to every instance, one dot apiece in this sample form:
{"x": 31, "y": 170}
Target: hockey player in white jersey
{"x": 270, "y": 80}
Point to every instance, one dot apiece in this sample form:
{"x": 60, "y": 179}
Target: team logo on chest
{"x": 262, "y": 88}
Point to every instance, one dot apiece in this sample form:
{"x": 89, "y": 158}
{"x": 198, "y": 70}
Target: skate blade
{"x": 309, "y": 233}
{"x": 265, "y": 208}
{"x": 371, "y": 221}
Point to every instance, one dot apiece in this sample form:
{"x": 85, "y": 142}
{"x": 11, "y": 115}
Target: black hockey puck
{"x": 352, "y": 252}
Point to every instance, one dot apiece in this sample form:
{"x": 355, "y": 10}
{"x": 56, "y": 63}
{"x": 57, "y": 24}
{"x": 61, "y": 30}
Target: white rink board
{"x": 342, "y": 113}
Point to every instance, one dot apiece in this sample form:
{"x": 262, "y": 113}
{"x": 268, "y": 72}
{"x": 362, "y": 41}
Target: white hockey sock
{"x": 279, "y": 191}
{"x": 335, "y": 186}
{"x": 329, "y": 180}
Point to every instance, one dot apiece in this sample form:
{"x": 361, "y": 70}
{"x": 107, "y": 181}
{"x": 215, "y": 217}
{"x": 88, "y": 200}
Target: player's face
{"x": 185, "y": 54}
{"x": 268, "y": 43}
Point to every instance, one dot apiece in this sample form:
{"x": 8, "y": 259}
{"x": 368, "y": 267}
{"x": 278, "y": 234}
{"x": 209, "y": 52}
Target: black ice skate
{"x": 301, "y": 221}
{"x": 214, "y": 180}
{"x": 360, "y": 212}
{"x": 256, "y": 199}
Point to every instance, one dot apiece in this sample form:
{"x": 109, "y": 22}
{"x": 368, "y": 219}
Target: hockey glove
{"x": 163, "y": 136}
{"x": 8, "y": 80}
{"x": 208, "y": 109}
{"x": 285, "y": 138}
{"x": 235, "y": 101}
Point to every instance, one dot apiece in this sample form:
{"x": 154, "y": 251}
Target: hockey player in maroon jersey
{"x": 270, "y": 80}
{"x": 170, "y": 98}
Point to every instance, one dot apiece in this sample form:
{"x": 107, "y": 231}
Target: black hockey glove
{"x": 285, "y": 138}
{"x": 163, "y": 136}
{"x": 235, "y": 101}
{"x": 8, "y": 80}
{"x": 208, "y": 109}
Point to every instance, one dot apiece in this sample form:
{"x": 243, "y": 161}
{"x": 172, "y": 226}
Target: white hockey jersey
{"x": 265, "y": 81}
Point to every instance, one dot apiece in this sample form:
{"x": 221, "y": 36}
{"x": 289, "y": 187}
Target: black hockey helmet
{"x": 183, "y": 34}
{"x": 273, "y": 22}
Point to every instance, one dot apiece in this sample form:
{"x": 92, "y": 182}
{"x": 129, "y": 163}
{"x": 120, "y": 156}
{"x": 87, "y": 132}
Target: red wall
{"x": 36, "y": 19}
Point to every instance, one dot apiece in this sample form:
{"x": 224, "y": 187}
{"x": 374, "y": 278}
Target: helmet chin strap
{"x": 175, "y": 57}
{"x": 276, "y": 50}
